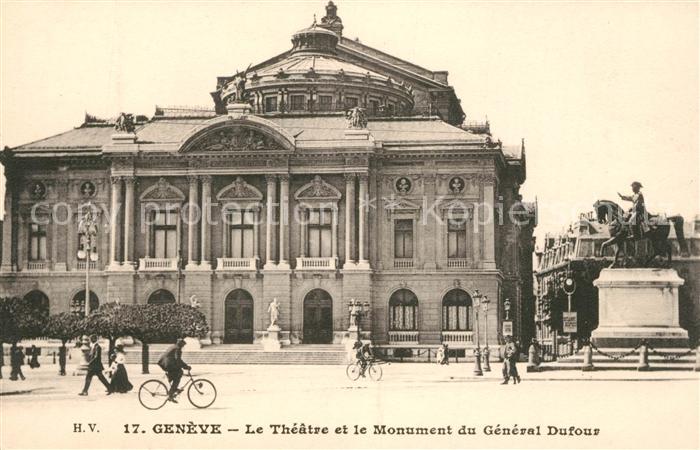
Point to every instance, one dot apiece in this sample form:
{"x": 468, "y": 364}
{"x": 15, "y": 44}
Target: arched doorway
{"x": 238, "y": 318}
{"x": 318, "y": 317}
{"x": 456, "y": 311}
{"x": 161, "y": 297}
{"x": 403, "y": 310}
{"x": 39, "y": 302}
{"x": 77, "y": 304}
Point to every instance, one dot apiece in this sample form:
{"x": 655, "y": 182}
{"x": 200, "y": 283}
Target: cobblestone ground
{"x": 653, "y": 409}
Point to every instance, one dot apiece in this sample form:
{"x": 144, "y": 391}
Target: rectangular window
{"x": 403, "y": 238}
{"x": 241, "y": 234}
{"x": 457, "y": 238}
{"x": 319, "y": 233}
{"x": 351, "y": 102}
{"x": 297, "y": 102}
{"x": 374, "y": 107}
{"x": 164, "y": 234}
{"x": 271, "y": 103}
{"x": 37, "y": 242}
{"x": 325, "y": 102}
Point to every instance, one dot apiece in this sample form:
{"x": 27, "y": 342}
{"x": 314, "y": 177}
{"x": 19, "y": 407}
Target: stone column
{"x": 256, "y": 234}
{"x": 205, "y": 223}
{"x": 304, "y": 231}
{"x": 334, "y": 234}
{"x": 284, "y": 213}
{"x": 191, "y": 226}
{"x": 349, "y": 216}
{"x": 362, "y": 221}
{"x": 270, "y": 209}
{"x": 489, "y": 225}
{"x": 114, "y": 225}
{"x": 7, "y": 242}
{"x": 129, "y": 182}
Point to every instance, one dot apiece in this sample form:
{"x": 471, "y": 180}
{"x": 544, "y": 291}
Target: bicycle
{"x": 153, "y": 394}
{"x": 353, "y": 370}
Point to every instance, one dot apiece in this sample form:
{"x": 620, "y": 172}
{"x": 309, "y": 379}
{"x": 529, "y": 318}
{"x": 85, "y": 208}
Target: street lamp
{"x": 485, "y": 306}
{"x": 357, "y": 311}
{"x": 87, "y": 229}
{"x": 506, "y": 307}
{"x": 476, "y": 298}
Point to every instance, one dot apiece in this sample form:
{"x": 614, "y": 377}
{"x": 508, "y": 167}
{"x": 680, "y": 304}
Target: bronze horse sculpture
{"x": 609, "y": 212}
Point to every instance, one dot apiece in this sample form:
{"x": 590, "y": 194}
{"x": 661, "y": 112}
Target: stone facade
{"x": 399, "y": 165}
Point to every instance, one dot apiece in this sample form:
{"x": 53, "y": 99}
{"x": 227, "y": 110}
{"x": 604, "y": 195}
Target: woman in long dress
{"x": 120, "y": 380}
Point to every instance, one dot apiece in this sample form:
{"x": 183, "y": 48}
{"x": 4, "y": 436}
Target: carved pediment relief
{"x": 394, "y": 204}
{"x": 234, "y": 139}
{"x": 317, "y": 189}
{"x": 163, "y": 191}
{"x": 239, "y": 190}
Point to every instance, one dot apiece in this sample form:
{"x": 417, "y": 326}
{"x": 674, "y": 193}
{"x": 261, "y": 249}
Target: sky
{"x": 604, "y": 93}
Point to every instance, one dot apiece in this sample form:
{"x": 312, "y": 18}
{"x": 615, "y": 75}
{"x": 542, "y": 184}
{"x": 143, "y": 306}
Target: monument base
{"x": 636, "y": 305}
{"x": 271, "y": 341}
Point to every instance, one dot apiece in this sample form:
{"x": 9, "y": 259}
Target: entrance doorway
{"x": 318, "y": 317}
{"x": 238, "y": 318}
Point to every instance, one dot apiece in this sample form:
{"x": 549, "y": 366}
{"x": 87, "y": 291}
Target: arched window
{"x": 77, "y": 305}
{"x": 161, "y": 297}
{"x": 403, "y": 309}
{"x": 39, "y": 302}
{"x": 456, "y": 311}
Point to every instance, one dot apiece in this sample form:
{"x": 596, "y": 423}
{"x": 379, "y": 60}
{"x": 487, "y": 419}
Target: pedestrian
{"x": 119, "y": 379}
{"x": 440, "y": 354}
{"x": 34, "y": 361}
{"x": 443, "y": 355}
{"x": 171, "y": 362}
{"x": 16, "y": 361}
{"x": 510, "y": 369}
{"x": 95, "y": 366}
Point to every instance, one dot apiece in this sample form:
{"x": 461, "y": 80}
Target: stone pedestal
{"x": 192, "y": 343}
{"x": 271, "y": 341}
{"x": 636, "y": 304}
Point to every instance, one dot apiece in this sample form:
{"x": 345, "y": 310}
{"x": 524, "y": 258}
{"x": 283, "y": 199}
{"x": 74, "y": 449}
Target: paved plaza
{"x": 403, "y": 410}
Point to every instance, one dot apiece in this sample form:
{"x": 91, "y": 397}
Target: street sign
{"x": 507, "y": 328}
{"x": 569, "y": 322}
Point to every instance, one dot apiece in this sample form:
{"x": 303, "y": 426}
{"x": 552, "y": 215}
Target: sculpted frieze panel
{"x": 239, "y": 190}
{"x": 317, "y": 189}
{"x": 163, "y": 191}
{"x": 235, "y": 139}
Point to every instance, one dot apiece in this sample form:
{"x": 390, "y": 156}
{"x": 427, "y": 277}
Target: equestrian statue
{"x": 637, "y": 225}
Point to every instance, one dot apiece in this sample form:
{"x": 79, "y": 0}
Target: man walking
{"x": 510, "y": 360}
{"x": 95, "y": 367}
{"x": 171, "y": 362}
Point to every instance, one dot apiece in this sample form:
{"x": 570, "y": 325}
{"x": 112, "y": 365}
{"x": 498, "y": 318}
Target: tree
{"x": 167, "y": 322}
{"x": 19, "y": 319}
{"x": 112, "y": 321}
{"x": 64, "y": 326}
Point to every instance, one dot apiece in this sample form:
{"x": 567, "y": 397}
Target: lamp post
{"x": 87, "y": 229}
{"x": 357, "y": 311}
{"x": 506, "y": 307}
{"x": 485, "y": 306}
{"x": 476, "y": 299}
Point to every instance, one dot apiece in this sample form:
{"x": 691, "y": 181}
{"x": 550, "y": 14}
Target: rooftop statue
{"x": 637, "y": 225}
{"x": 125, "y": 123}
{"x": 356, "y": 117}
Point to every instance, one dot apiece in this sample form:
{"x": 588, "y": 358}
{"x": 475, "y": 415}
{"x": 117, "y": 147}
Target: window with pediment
{"x": 241, "y": 203}
{"x": 37, "y": 242}
{"x": 163, "y": 205}
{"x": 318, "y": 205}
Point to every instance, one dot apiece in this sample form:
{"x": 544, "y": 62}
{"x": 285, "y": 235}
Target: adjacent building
{"x": 329, "y": 173}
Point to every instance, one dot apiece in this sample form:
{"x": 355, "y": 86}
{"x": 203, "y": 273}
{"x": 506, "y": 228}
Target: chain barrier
{"x": 616, "y": 357}
{"x": 670, "y": 357}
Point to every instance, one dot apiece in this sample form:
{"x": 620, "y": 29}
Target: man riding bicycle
{"x": 171, "y": 362}
{"x": 364, "y": 355}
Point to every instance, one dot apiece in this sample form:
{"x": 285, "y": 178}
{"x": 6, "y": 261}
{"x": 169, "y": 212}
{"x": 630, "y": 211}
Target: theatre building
{"x": 329, "y": 173}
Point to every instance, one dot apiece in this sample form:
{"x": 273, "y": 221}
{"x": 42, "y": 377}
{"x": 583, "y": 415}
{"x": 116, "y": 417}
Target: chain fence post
{"x": 587, "y": 358}
{"x": 643, "y": 365}
{"x": 533, "y": 360}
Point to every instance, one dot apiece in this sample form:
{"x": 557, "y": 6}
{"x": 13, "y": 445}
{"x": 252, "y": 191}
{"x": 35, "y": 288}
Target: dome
{"x": 312, "y": 78}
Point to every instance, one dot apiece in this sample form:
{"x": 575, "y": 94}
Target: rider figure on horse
{"x": 636, "y": 217}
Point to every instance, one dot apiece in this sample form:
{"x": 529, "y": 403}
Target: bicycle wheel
{"x": 375, "y": 372}
{"x": 153, "y": 394}
{"x": 353, "y": 371}
{"x": 201, "y": 393}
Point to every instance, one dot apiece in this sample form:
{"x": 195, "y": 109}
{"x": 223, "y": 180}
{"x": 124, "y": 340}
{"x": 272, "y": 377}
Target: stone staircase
{"x": 659, "y": 359}
{"x": 248, "y": 354}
